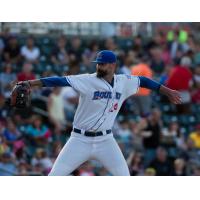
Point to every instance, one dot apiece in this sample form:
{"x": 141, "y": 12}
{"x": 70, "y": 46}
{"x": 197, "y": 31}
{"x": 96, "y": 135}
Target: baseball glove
{"x": 20, "y": 96}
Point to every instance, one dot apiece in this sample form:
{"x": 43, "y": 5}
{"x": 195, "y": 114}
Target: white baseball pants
{"x": 80, "y": 148}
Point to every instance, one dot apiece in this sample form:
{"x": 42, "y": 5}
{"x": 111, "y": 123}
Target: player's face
{"x": 103, "y": 70}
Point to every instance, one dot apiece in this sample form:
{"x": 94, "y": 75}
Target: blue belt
{"x": 90, "y": 133}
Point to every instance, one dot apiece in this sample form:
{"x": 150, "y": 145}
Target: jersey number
{"x": 114, "y": 107}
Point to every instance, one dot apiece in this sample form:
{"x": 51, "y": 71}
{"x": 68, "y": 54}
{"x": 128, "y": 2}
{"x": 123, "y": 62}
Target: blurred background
{"x": 156, "y": 137}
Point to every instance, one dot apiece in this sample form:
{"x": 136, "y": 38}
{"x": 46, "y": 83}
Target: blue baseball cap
{"x": 105, "y": 56}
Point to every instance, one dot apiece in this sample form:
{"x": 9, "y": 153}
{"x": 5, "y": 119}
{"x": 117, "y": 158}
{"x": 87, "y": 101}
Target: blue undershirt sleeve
{"x": 54, "y": 81}
{"x": 149, "y": 84}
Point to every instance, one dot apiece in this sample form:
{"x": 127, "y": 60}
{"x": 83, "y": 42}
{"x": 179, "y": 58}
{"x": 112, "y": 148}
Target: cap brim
{"x": 95, "y": 61}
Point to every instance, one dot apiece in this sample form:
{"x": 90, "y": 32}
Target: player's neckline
{"x": 112, "y": 82}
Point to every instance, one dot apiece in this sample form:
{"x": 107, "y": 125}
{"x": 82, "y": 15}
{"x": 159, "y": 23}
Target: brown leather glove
{"x": 20, "y": 96}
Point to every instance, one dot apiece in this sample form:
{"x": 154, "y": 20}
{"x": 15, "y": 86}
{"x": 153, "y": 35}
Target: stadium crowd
{"x": 156, "y": 137}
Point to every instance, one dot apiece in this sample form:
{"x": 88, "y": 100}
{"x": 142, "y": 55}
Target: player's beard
{"x": 101, "y": 73}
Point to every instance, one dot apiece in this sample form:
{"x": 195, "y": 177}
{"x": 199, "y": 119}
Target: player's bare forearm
{"x": 173, "y": 95}
{"x": 33, "y": 83}
{"x": 36, "y": 82}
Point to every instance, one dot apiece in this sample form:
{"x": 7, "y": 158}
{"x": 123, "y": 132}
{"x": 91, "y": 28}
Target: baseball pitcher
{"x": 101, "y": 96}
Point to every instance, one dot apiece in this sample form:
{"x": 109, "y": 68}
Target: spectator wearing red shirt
{"x": 181, "y": 79}
{"x": 196, "y": 88}
{"x": 26, "y": 73}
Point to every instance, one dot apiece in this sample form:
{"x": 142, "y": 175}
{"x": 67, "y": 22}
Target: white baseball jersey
{"x": 99, "y": 102}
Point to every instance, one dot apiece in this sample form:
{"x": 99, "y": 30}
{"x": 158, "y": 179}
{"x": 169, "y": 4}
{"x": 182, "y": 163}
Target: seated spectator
{"x": 196, "y": 171}
{"x": 179, "y": 168}
{"x": 2, "y": 45}
{"x": 138, "y": 46}
{"x": 6, "y": 78}
{"x": 166, "y": 55}
{"x": 142, "y": 99}
{"x": 196, "y": 87}
{"x": 7, "y": 165}
{"x": 59, "y": 54}
{"x": 13, "y": 136}
{"x": 56, "y": 110}
{"x": 129, "y": 59}
{"x": 180, "y": 79}
{"x": 87, "y": 169}
{"x": 136, "y": 166}
{"x": 75, "y": 51}
{"x": 150, "y": 172}
{"x": 195, "y": 136}
{"x": 4, "y": 147}
{"x": 171, "y": 136}
{"x": 23, "y": 168}
{"x": 70, "y": 97}
{"x": 110, "y": 44}
{"x": 27, "y": 73}
{"x": 4, "y": 109}
{"x": 38, "y": 131}
{"x": 30, "y": 52}
{"x": 42, "y": 159}
{"x": 157, "y": 63}
{"x": 11, "y": 53}
{"x": 150, "y": 130}
{"x": 161, "y": 163}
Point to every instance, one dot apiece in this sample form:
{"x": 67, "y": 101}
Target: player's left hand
{"x": 173, "y": 95}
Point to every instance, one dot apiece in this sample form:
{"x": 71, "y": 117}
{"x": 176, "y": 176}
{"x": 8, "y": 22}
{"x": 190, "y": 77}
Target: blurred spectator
{"x": 30, "y": 52}
{"x": 37, "y": 131}
{"x": 138, "y": 46}
{"x": 42, "y": 159}
{"x": 37, "y": 170}
{"x": 7, "y": 165}
{"x": 150, "y": 130}
{"x": 13, "y": 136}
{"x": 129, "y": 59}
{"x": 59, "y": 54}
{"x": 23, "y": 168}
{"x": 161, "y": 163}
{"x": 110, "y": 44}
{"x": 157, "y": 63}
{"x": 136, "y": 166}
{"x": 6, "y": 78}
{"x": 56, "y": 110}
{"x": 181, "y": 79}
{"x": 150, "y": 172}
{"x": 5, "y": 109}
{"x": 142, "y": 99}
{"x": 175, "y": 45}
{"x": 197, "y": 54}
{"x": 27, "y": 73}
{"x": 88, "y": 55}
{"x": 172, "y": 138}
{"x": 179, "y": 168}
{"x": 70, "y": 98}
{"x": 195, "y": 136}
{"x": 4, "y": 147}
{"x": 12, "y": 51}
{"x": 196, "y": 171}
{"x": 196, "y": 89}
{"x": 166, "y": 54}
{"x": 86, "y": 170}
{"x": 2, "y": 45}
{"x": 75, "y": 51}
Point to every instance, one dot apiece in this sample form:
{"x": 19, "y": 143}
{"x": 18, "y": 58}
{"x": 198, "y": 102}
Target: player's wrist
{"x": 164, "y": 90}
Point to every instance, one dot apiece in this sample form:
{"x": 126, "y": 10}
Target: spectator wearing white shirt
{"x": 30, "y": 52}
